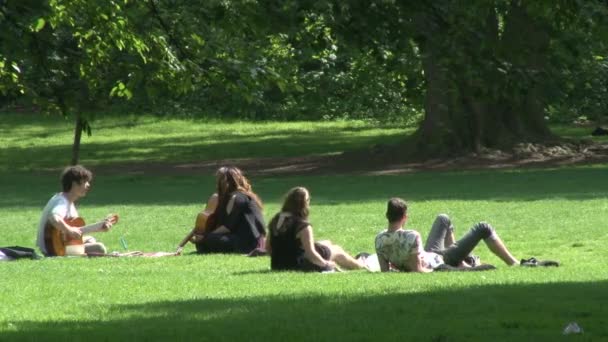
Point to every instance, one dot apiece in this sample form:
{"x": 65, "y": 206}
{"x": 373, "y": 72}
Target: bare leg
{"x": 340, "y": 257}
{"x": 343, "y": 259}
{"x": 497, "y": 247}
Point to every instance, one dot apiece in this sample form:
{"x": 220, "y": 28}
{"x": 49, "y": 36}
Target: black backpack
{"x": 18, "y": 252}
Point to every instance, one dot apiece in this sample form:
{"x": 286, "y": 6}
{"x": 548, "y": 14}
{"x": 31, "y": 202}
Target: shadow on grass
{"x": 210, "y": 145}
{"x": 33, "y": 190}
{"x": 531, "y": 312}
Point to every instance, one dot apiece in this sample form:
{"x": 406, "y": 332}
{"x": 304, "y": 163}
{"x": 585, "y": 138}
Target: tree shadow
{"x": 34, "y": 189}
{"x": 526, "y": 312}
{"x": 212, "y": 145}
{"x": 254, "y": 272}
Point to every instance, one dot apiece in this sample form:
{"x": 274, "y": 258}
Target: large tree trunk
{"x": 436, "y": 130}
{"x": 470, "y": 103}
{"x": 529, "y": 59}
{"x": 441, "y": 131}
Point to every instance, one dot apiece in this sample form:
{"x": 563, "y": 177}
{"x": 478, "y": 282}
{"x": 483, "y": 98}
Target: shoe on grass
{"x": 362, "y": 256}
{"x": 448, "y": 268}
{"x": 533, "y": 262}
{"x": 473, "y": 260}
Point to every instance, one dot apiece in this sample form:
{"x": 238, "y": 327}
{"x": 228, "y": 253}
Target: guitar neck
{"x": 92, "y": 228}
{"x": 187, "y": 238}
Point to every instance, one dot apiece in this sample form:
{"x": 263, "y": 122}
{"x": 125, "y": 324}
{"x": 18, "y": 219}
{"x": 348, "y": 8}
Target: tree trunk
{"x": 440, "y": 132}
{"x": 436, "y": 130}
{"x": 470, "y": 102}
{"x": 529, "y": 58}
{"x": 78, "y": 128}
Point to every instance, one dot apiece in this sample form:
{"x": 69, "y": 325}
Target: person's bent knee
{"x": 484, "y": 229}
{"x": 443, "y": 220}
{"x": 326, "y": 243}
{"x": 335, "y": 249}
{"x": 95, "y": 248}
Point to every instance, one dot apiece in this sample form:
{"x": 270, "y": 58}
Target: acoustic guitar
{"x": 57, "y": 242}
{"x": 202, "y": 225}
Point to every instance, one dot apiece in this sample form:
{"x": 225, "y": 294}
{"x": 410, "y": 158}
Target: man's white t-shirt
{"x": 60, "y": 206}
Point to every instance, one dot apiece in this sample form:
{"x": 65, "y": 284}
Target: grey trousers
{"x": 454, "y": 254}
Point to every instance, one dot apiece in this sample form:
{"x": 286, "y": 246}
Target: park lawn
{"x": 547, "y": 213}
{"x": 35, "y": 142}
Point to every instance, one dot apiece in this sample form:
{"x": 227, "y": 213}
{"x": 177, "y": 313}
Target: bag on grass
{"x": 18, "y": 252}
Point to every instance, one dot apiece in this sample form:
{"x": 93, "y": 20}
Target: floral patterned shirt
{"x": 396, "y": 247}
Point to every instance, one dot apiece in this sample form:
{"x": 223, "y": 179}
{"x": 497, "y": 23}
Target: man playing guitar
{"x": 57, "y": 228}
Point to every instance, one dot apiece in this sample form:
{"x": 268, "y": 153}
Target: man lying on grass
{"x": 402, "y": 249}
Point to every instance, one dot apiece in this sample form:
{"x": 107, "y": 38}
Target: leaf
{"x": 16, "y": 67}
{"x": 128, "y": 94}
{"x": 39, "y": 24}
{"x": 198, "y": 39}
{"x": 281, "y": 86}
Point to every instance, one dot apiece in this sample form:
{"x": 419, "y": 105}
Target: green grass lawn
{"x": 40, "y": 142}
{"x": 547, "y": 213}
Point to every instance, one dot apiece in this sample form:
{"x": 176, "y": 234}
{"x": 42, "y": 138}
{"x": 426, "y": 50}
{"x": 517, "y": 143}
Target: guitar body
{"x": 56, "y": 242}
{"x": 205, "y": 222}
{"x": 205, "y": 219}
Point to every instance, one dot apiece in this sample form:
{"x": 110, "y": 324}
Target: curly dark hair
{"x": 75, "y": 173}
{"x": 231, "y": 179}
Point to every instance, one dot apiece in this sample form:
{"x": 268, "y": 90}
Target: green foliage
{"x": 579, "y": 85}
{"x": 9, "y": 78}
{"x": 584, "y": 95}
{"x": 310, "y": 60}
{"x": 73, "y": 55}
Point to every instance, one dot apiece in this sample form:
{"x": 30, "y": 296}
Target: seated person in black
{"x": 238, "y": 224}
{"x": 291, "y": 244}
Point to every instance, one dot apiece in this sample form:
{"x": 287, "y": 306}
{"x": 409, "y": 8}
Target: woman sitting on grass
{"x": 291, "y": 244}
{"x": 238, "y": 224}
